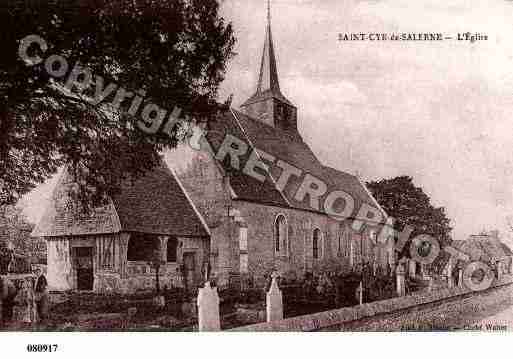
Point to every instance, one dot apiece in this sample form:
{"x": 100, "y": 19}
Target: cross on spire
{"x": 269, "y": 13}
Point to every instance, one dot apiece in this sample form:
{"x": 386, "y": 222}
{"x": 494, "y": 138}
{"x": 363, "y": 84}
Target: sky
{"x": 436, "y": 111}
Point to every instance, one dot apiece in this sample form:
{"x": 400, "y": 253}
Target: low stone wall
{"x": 336, "y": 318}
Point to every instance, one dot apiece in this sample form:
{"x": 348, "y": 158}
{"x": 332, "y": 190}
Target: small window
{"x": 317, "y": 244}
{"x": 243, "y": 239}
{"x": 280, "y": 235}
{"x": 172, "y": 247}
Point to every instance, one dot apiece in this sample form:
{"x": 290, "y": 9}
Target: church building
{"x": 259, "y": 226}
{"x": 215, "y": 219}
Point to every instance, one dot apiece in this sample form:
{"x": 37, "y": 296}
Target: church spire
{"x": 268, "y": 105}
{"x": 268, "y": 79}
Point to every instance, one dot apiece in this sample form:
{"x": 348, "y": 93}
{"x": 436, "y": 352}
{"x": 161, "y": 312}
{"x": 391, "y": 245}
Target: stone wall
{"x": 210, "y": 191}
{"x": 334, "y": 246}
{"x": 112, "y": 272}
{"x": 364, "y": 316}
{"x": 140, "y": 276}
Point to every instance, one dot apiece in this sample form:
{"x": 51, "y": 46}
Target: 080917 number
{"x": 42, "y": 348}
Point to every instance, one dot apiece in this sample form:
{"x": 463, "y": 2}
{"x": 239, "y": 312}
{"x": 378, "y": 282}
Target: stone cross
{"x": 274, "y": 301}
{"x": 360, "y": 293}
{"x": 450, "y": 280}
{"x": 351, "y": 254}
{"x": 431, "y": 283}
{"x": 208, "y": 309}
{"x": 412, "y": 268}
{"x": 400, "y": 283}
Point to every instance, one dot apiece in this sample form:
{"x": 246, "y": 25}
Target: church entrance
{"x": 84, "y": 268}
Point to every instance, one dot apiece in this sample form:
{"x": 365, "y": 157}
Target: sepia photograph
{"x": 242, "y": 166}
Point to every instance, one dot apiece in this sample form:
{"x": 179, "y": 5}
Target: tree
{"x": 14, "y": 234}
{"x": 14, "y": 228}
{"x": 175, "y": 51}
{"x": 409, "y": 205}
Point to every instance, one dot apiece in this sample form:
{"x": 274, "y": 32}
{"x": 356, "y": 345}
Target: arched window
{"x": 280, "y": 235}
{"x": 343, "y": 241}
{"x": 317, "y": 244}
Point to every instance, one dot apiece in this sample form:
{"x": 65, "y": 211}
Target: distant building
{"x": 486, "y": 248}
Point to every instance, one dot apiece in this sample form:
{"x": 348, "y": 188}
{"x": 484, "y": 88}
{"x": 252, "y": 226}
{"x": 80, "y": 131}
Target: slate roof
{"x": 155, "y": 203}
{"x": 289, "y": 147}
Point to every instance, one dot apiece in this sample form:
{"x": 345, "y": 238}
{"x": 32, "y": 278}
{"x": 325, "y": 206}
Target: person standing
{"x": 41, "y": 295}
{"x": 7, "y": 294}
{"x": 26, "y": 305}
{"x": 11, "y": 267}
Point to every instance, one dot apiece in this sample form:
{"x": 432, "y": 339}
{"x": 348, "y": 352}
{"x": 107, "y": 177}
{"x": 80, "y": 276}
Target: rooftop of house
{"x": 154, "y": 203}
{"x": 483, "y": 247}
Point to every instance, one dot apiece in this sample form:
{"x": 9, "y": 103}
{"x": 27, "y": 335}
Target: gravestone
{"x": 208, "y": 309}
{"x": 274, "y": 301}
{"x": 360, "y": 293}
{"x": 499, "y": 270}
{"x": 412, "y": 268}
{"x": 400, "y": 282}
{"x": 450, "y": 279}
{"x": 460, "y": 278}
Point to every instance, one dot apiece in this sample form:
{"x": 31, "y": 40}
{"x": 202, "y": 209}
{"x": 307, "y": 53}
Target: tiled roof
{"x": 492, "y": 248}
{"x": 154, "y": 203}
{"x": 286, "y": 146}
{"x": 483, "y": 248}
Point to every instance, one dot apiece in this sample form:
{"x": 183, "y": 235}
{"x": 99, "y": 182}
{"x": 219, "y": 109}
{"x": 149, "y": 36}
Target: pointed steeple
{"x": 268, "y": 103}
{"x": 268, "y": 79}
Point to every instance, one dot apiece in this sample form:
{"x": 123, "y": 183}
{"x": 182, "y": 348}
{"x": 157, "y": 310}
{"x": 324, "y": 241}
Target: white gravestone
{"x": 412, "y": 266}
{"x": 208, "y": 309}
{"x": 460, "y": 278}
{"x": 274, "y": 301}
{"x": 450, "y": 280}
{"x": 401, "y": 285}
{"x": 360, "y": 293}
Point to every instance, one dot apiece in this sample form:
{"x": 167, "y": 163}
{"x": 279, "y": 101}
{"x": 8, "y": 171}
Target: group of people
{"x": 27, "y": 304}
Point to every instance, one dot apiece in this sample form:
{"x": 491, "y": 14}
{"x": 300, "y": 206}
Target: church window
{"x": 280, "y": 235}
{"x": 317, "y": 244}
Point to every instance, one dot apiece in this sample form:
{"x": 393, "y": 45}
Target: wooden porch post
{"x": 123, "y": 250}
{"x": 163, "y": 248}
